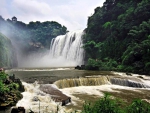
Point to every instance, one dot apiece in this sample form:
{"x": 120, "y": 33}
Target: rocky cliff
{"x": 8, "y": 56}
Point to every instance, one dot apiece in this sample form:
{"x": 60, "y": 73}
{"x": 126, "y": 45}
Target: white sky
{"x": 71, "y": 13}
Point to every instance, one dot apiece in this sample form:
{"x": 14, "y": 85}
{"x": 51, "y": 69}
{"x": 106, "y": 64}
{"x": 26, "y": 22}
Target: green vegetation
{"x": 109, "y": 105}
{"x": 118, "y": 37}
{"x": 9, "y": 91}
{"x": 7, "y": 53}
{"x": 44, "y": 32}
{"x": 33, "y": 36}
{"x": 26, "y": 38}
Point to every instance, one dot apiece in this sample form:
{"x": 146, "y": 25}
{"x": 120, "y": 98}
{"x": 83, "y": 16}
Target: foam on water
{"x": 48, "y": 69}
{"x": 45, "y": 102}
{"x": 48, "y": 105}
{"x": 119, "y": 73}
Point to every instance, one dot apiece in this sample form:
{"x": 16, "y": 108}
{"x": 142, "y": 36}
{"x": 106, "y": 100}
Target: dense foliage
{"x": 6, "y": 87}
{"x": 109, "y": 105}
{"x": 9, "y": 90}
{"x": 33, "y": 36}
{"x": 118, "y": 37}
{"x": 26, "y": 39}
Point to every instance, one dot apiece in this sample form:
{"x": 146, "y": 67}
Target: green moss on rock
{"x": 7, "y": 53}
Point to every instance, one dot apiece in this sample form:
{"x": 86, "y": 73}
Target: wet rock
{"x": 82, "y": 67}
{"x": 129, "y": 74}
{"x": 64, "y": 102}
{"x": 35, "y": 99}
{"x": 56, "y": 94}
{"x": 78, "y": 67}
{"x": 18, "y": 110}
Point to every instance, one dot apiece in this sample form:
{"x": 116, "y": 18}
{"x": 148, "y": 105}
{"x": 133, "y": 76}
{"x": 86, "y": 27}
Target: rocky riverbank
{"x": 10, "y": 99}
{"x": 10, "y": 91}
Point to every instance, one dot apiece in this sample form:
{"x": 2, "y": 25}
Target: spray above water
{"x": 69, "y": 47}
{"x": 65, "y": 50}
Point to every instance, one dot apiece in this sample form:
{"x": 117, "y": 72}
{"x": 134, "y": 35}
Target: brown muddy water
{"x": 82, "y": 93}
{"x": 51, "y": 75}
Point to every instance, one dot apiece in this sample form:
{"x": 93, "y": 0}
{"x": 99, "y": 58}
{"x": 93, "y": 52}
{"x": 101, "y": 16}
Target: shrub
{"x": 104, "y": 105}
{"x": 93, "y": 64}
{"x": 3, "y": 76}
{"x": 138, "y": 106}
{"x": 3, "y": 88}
{"x": 108, "y": 105}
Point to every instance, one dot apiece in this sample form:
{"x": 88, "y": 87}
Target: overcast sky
{"x": 71, "y": 13}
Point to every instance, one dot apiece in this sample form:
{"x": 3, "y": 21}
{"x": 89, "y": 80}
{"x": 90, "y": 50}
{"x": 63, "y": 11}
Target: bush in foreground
{"x": 109, "y": 105}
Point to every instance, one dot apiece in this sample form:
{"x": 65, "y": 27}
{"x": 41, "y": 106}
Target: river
{"x": 123, "y": 86}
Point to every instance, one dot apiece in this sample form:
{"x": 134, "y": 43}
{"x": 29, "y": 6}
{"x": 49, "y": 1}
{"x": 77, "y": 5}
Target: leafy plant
{"x": 109, "y": 105}
{"x": 3, "y": 88}
{"x": 138, "y": 106}
{"x": 103, "y": 105}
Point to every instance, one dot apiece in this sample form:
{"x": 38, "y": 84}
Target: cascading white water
{"x": 36, "y": 100}
{"x": 65, "y": 51}
{"x": 68, "y": 47}
{"x": 104, "y": 84}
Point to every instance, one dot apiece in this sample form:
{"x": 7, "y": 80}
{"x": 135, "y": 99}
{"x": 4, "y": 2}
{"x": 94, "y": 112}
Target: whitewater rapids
{"x": 47, "y": 105}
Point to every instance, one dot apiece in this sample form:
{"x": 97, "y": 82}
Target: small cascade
{"x": 101, "y": 80}
{"x": 129, "y": 83}
{"x": 38, "y": 101}
{"x": 68, "y": 47}
{"x": 88, "y": 81}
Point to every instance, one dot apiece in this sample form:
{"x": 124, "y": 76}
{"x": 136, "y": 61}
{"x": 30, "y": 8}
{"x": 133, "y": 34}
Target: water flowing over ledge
{"x": 97, "y": 84}
{"x": 102, "y": 80}
{"x": 65, "y": 51}
{"x": 68, "y": 48}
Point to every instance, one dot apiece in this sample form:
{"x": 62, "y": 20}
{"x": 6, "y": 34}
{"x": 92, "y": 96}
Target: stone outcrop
{"x": 56, "y": 94}
{"x": 9, "y": 99}
{"x": 82, "y": 67}
{"x": 18, "y": 110}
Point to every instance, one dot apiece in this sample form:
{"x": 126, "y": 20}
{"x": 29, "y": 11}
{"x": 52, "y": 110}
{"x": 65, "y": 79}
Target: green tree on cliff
{"x": 119, "y": 31}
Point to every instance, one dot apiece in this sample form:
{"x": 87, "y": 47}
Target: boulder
{"x": 18, "y": 110}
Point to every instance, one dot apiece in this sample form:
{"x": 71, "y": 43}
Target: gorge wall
{"x": 7, "y": 53}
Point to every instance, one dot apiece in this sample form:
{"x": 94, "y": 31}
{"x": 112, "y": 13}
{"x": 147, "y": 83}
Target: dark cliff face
{"x": 8, "y": 57}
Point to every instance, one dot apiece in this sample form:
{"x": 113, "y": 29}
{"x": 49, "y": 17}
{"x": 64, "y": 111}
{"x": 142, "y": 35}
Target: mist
{"x": 46, "y": 44}
{"x": 38, "y": 60}
{"x": 65, "y": 51}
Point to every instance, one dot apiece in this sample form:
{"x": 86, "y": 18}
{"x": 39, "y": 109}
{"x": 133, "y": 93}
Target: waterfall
{"x": 68, "y": 47}
{"x": 101, "y": 80}
{"x": 88, "y": 81}
{"x": 129, "y": 83}
{"x": 65, "y": 51}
